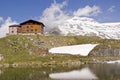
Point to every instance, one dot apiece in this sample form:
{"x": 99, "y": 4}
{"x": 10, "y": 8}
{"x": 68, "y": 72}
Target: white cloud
{"x": 87, "y": 11}
{"x": 1, "y": 19}
{"x": 4, "y": 29}
{"x": 54, "y": 15}
{"x": 111, "y": 9}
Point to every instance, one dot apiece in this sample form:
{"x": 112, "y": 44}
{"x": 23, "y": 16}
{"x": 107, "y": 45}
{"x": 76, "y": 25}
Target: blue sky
{"x": 21, "y": 10}
{"x": 55, "y": 12}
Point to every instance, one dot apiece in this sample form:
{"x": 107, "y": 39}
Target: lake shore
{"x": 81, "y": 61}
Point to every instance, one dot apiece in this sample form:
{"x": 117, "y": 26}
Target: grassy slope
{"x": 33, "y": 49}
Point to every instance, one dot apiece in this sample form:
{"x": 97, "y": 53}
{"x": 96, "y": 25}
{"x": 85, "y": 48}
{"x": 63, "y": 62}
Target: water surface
{"x": 83, "y": 72}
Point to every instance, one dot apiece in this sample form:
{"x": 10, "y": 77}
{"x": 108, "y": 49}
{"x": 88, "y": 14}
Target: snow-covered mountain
{"x": 88, "y": 27}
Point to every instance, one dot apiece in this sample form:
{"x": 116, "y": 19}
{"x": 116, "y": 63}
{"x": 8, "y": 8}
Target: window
{"x": 31, "y": 30}
{"x": 12, "y": 31}
{"x": 27, "y": 26}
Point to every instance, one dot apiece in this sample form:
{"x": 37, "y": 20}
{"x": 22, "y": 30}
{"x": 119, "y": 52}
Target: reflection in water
{"x": 84, "y": 73}
{"x": 1, "y": 72}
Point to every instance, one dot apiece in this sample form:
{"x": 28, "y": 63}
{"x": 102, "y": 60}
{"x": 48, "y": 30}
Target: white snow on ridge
{"x": 82, "y": 49}
{"x": 78, "y": 26}
{"x": 84, "y": 26}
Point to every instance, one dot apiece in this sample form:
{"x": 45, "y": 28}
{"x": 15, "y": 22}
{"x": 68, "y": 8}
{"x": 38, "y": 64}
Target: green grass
{"x": 21, "y": 48}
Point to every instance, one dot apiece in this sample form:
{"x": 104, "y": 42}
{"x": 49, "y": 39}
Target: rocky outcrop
{"x": 106, "y": 52}
{"x": 1, "y": 57}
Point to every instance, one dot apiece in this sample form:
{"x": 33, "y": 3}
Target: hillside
{"x": 33, "y": 50}
{"x": 84, "y": 26}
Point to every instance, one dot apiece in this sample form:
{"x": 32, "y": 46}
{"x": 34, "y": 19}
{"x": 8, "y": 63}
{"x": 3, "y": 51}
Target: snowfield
{"x": 112, "y": 62}
{"x": 83, "y": 49}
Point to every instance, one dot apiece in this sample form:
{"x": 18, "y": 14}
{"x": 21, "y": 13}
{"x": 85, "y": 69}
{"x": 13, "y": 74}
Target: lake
{"x": 82, "y": 72}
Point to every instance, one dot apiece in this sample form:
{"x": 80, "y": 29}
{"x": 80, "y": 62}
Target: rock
{"x": 106, "y": 52}
{"x": 15, "y": 65}
{"x": 38, "y": 43}
{"x": 1, "y": 57}
{"x": 26, "y": 45}
{"x": 30, "y": 52}
{"x": 6, "y": 65}
{"x": 29, "y": 38}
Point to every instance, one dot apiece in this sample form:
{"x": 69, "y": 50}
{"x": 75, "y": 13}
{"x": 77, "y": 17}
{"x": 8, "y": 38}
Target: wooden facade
{"x": 30, "y": 27}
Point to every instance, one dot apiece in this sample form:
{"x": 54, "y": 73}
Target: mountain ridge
{"x": 83, "y": 26}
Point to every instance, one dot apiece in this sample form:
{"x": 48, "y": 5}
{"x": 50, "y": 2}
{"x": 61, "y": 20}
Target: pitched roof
{"x": 40, "y": 23}
{"x": 15, "y": 25}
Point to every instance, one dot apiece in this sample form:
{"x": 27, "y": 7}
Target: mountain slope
{"x": 88, "y": 27}
{"x": 32, "y": 50}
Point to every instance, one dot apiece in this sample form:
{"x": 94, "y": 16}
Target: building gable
{"x": 32, "y": 22}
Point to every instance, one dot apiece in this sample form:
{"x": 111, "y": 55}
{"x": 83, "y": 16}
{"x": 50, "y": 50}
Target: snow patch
{"x": 83, "y": 49}
{"x": 112, "y": 62}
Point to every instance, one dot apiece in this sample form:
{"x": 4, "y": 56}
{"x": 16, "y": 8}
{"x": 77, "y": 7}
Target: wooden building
{"x": 27, "y": 27}
{"x": 32, "y": 26}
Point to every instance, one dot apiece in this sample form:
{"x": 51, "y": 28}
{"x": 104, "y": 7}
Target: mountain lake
{"x": 53, "y": 72}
